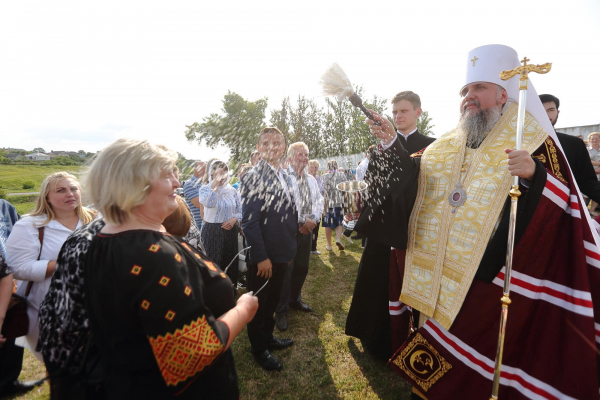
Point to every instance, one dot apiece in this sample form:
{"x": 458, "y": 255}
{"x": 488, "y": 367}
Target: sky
{"x": 78, "y": 75}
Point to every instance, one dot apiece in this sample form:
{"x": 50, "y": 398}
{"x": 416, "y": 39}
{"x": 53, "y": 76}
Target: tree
{"x": 300, "y": 123}
{"x": 82, "y": 152}
{"x": 423, "y": 124}
{"x": 237, "y": 128}
{"x": 39, "y": 150}
{"x": 344, "y": 127}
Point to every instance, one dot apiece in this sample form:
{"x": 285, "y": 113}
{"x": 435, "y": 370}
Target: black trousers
{"x": 260, "y": 329}
{"x": 295, "y": 275}
{"x": 11, "y": 362}
{"x": 315, "y": 236}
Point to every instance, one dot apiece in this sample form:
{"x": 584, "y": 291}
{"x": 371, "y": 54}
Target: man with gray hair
{"x": 451, "y": 265}
{"x": 309, "y": 202}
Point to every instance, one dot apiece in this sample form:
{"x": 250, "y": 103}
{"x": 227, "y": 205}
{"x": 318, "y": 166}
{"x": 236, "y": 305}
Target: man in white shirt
{"x": 309, "y": 201}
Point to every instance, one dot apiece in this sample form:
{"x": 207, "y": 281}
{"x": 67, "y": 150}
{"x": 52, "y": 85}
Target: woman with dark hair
{"x": 222, "y": 212}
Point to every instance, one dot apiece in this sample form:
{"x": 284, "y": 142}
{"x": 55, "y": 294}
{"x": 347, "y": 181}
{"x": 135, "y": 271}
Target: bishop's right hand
{"x": 386, "y": 132}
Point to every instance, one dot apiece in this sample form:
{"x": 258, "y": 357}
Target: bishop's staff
{"x": 522, "y": 70}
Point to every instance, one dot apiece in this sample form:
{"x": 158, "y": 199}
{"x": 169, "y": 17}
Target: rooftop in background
{"x": 583, "y": 130}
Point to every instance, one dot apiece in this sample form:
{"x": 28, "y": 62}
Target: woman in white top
{"x": 59, "y": 211}
{"x": 222, "y": 212}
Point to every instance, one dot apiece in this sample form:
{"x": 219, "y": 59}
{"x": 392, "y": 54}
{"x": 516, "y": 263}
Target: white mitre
{"x": 485, "y": 63}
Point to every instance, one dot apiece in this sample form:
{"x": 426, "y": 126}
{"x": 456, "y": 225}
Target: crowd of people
{"x": 139, "y": 294}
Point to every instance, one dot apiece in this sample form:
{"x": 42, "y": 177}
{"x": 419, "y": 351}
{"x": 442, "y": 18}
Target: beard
{"x": 478, "y": 125}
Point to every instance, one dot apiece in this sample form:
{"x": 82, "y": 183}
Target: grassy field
{"x": 323, "y": 363}
{"x": 12, "y": 178}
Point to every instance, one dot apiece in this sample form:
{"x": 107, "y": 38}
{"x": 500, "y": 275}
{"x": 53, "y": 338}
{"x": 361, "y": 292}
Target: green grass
{"x": 323, "y": 363}
{"x": 12, "y": 177}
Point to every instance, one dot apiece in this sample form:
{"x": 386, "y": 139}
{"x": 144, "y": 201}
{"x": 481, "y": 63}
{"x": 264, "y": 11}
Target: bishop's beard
{"x": 478, "y": 125}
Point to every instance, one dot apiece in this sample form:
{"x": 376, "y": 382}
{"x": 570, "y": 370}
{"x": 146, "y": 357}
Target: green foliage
{"x": 14, "y": 175}
{"x": 185, "y": 167}
{"x": 236, "y": 128}
{"x": 345, "y": 130}
{"x": 4, "y": 160}
{"x": 337, "y": 129}
{"x": 39, "y": 150}
{"x": 424, "y": 124}
{"x": 3, "y": 194}
{"x": 62, "y": 160}
{"x": 28, "y": 185}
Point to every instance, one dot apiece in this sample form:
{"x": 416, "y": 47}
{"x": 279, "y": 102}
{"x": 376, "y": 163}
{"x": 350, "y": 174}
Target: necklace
{"x": 458, "y": 195}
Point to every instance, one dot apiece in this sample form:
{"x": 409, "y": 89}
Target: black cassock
{"x": 383, "y": 222}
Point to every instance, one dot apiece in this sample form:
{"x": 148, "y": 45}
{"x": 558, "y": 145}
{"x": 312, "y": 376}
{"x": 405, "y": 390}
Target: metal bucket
{"x": 352, "y": 195}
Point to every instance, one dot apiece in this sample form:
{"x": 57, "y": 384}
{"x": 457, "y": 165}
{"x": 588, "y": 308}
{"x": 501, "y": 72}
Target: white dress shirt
{"x": 387, "y": 146}
{"x": 22, "y": 249}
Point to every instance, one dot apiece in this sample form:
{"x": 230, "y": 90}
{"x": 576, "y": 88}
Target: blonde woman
{"x": 162, "y": 315}
{"x": 58, "y": 212}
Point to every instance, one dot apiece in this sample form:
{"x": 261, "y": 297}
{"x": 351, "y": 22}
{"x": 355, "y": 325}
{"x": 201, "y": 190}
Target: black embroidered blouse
{"x": 154, "y": 302}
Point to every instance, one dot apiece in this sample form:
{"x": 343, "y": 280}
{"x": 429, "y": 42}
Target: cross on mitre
{"x": 474, "y": 59}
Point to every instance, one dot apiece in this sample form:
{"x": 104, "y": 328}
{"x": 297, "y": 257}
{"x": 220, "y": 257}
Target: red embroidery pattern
{"x": 177, "y": 257}
{"x": 187, "y": 290}
{"x": 145, "y": 304}
{"x": 136, "y": 270}
{"x": 186, "y": 352}
{"x": 209, "y": 264}
{"x": 164, "y": 281}
{"x": 170, "y": 315}
{"x": 186, "y": 247}
{"x": 154, "y": 248}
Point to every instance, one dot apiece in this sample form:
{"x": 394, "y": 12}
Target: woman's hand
{"x": 219, "y": 178}
{"x": 230, "y": 223}
{"x": 248, "y": 305}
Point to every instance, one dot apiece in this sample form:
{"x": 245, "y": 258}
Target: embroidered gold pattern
{"x": 223, "y": 275}
{"x": 154, "y": 248}
{"x": 170, "y": 315}
{"x": 177, "y": 257}
{"x": 164, "y": 281}
{"x": 445, "y": 248}
{"x": 145, "y": 304}
{"x": 422, "y": 362}
{"x": 554, "y": 160}
{"x": 136, "y": 270}
{"x": 185, "y": 352}
{"x": 417, "y": 154}
{"x": 187, "y": 290}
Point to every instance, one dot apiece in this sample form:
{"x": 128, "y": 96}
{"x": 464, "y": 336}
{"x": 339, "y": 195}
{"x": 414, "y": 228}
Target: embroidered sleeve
{"x": 184, "y": 335}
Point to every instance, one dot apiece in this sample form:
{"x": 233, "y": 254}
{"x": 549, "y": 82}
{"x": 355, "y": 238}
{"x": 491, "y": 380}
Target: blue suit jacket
{"x": 269, "y": 219}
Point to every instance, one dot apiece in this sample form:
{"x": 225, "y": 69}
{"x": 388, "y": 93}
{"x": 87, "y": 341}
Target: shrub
{"x": 2, "y": 194}
{"x": 28, "y": 185}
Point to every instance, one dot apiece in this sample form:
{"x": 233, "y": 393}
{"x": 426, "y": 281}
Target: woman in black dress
{"x": 163, "y": 315}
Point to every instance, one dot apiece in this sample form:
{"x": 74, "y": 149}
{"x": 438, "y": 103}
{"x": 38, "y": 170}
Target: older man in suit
{"x": 270, "y": 225}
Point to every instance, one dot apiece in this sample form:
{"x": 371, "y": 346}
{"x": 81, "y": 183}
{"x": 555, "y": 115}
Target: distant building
{"x": 14, "y": 156}
{"x": 584, "y": 130}
{"x": 38, "y": 157}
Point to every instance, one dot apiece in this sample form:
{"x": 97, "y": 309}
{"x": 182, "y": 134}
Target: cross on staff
{"x": 514, "y": 193}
